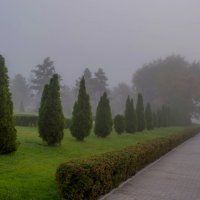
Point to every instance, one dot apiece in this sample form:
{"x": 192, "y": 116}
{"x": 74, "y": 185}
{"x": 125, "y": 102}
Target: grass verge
{"x": 30, "y": 172}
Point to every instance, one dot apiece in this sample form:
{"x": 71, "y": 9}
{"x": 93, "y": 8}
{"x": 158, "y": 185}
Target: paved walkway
{"x": 176, "y": 176}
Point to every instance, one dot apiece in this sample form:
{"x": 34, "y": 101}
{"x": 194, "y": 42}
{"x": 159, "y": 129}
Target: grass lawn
{"x": 29, "y": 173}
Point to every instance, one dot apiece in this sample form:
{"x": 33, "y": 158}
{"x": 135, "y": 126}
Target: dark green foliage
{"x": 119, "y": 124}
{"x": 26, "y": 120}
{"x": 140, "y": 113}
{"x": 42, "y": 120}
{"x": 7, "y": 130}
{"x": 148, "y": 117}
{"x": 103, "y": 120}
{"x": 91, "y": 178}
{"x": 82, "y": 114}
{"x": 127, "y": 119}
{"x": 51, "y": 118}
{"x": 55, "y": 117}
{"x": 130, "y": 116}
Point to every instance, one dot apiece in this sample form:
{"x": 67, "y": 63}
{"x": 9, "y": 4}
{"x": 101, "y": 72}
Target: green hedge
{"x": 91, "y": 178}
{"x": 32, "y": 120}
{"x": 26, "y": 120}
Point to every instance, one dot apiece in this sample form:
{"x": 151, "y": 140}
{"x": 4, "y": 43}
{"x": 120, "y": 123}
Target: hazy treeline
{"x": 27, "y": 94}
{"x": 172, "y": 81}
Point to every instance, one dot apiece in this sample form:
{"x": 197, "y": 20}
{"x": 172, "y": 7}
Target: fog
{"x": 118, "y": 36}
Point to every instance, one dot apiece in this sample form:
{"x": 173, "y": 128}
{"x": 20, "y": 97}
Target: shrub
{"x": 42, "y": 123}
{"x": 119, "y": 124}
{"x": 90, "y": 178}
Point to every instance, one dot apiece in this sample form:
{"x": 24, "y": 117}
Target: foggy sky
{"x": 116, "y": 35}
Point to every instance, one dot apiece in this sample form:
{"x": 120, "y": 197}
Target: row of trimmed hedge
{"x": 26, "y": 120}
{"x": 91, "y": 178}
{"x": 32, "y": 120}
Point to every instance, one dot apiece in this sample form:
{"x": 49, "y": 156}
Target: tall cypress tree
{"x": 43, "y": 114}
{"x": 148, "y": 117}
{"x": 140, "y": 113}
{"x": 127, "y": 116}
{"x": 130, "y": 116}
{"x": 7, "y": 130}
{"x": 52, "y": 128}
{"x": 119, "y": 124}
{"x": 82, "y": 114}
{"x": 133, "y": 116}
{"x": 103, "y": 120}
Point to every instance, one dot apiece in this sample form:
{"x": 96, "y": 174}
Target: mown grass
{"x": 29, "y": 173}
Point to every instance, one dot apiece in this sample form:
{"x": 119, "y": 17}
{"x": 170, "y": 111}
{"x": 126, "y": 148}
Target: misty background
{"x": 115, "y": 35}
{"x": 121, "y": 47}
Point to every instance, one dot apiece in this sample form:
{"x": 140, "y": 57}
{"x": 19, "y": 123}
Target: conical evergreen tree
{"x": 43, "y": 114}
{"x": 133, "y": 116}
{"x": 103, "y": 120}
{"x": 82, "y": 114}
{"x": 140, "y": 113}
{"x": 130, "y": 116}
{"x": 52, "y": 118}
{"x": 119, "y": 124}
{"x": 148, "y": 117}
{"x": 7, "y": 130}
{"x": 127, "y": 115}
